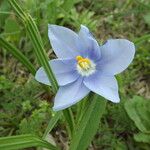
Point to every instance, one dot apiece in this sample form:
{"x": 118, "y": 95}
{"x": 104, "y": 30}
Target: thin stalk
{"x": 39, "y": 50}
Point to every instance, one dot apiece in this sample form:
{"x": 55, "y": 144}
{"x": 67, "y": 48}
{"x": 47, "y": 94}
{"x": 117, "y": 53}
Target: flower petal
{"x": 64, "y": 41}
{"x": 70, "y": 94}
{"x": 41, "y": 76}
{"x": 84, "y": 31}
{"x": 90, "y": 48}
{"x": 63, "y": 74}
{"x": 105, "y": 86}
{"x": 117, "y": 54}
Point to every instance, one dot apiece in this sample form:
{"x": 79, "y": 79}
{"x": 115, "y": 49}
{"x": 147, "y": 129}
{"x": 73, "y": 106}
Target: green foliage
{"x": 88, "y": 126}
{"x": 17, "y": 54}
{"x": 34, "y": 123}
{"x": 36, "y": 39}
{"x": 23, "y": 141}
{"x": 108, "y": 139}
{"x": 52, "y": 123}
{"x": 138, "y": 110}
{"x": 21, "y": 111}
{"x": 5, "y": 83}
{"x": 142, "y": 137}
{"x": 86, "y": 18}
{"x": 12, "y": 28}
{"x": 25, "y": 107}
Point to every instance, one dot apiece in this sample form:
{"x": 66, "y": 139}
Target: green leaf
{"x": 52, "y": 123}
{"x": 141, "y": 39}
{"x": 142, "y": 137}
{"x": 68, "y": 4}
{"x": 138, "y": 110}
{"x": 23, "y": 141}
{"x": 37, "y": 42}
{"x": 89, "y": 124}
{"x": 11, "y": 26}
{"x": 17, "y": 54}
{"x": 39, "y": 50}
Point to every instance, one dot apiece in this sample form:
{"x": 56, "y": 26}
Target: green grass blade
{"x": 17, "y": 54}
{"x": 141, "y": 39}
{"x": 142, "y": 137}
{"x": 37, "y": 43}
{"x": 23, "y": 141}
{"x": 70, "y": 120}
{"x": 17, "y": 8}
{"x": 39, "y": 50}
{"x": 52, "y": 123}
{"x": 68, "y": 4}
{"x": 33, "y": 34}
{"x": 88, "y": 126}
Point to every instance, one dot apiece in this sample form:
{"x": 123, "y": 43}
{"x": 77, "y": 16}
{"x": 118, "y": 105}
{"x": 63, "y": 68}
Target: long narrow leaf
{"x": 17, "y": 54}
{"x": 89, "y": 124}
{"x": 36, "y": 40}
{"x": 52, "y": 123}
{"x": 23, "y": 141}
{"x": 39, "y": 50}
{"x": 37, "y": 43}
{"x": 142, "y": 39}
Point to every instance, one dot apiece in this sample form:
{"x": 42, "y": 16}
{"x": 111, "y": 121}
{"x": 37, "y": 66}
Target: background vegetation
{"x": 24, "y": 105}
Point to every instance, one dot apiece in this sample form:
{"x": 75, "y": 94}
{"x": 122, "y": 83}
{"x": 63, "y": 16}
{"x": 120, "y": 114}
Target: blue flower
{"x": 83, "y": 66}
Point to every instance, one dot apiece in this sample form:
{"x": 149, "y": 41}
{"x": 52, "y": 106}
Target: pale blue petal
{"x": 84, "y": 31}
{"x": 64, "y": 41}
{"x": 63, "y": 65}
{"x": 105, "y": 86}
{"x": 64, "y": 70}
{"x": 117, "y": 54}
{"x": 41, "y": 76}
{"x": 70, "y": 94}
{"x": 89, "y": 46}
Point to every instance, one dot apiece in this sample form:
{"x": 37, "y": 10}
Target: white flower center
{"x": 85, "y": 66}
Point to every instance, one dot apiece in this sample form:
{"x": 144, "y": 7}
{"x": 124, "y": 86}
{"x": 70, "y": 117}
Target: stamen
{"x": 83, "y": 62}
{"x": 79, "y": 58}
{"x": 85, "y": 66}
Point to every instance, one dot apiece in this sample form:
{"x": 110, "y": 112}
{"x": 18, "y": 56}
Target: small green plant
{"x": 138, "y": 110}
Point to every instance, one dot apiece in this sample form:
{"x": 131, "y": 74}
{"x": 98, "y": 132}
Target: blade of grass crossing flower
{"x": 17, "y": 54}
{"x": 30, "y": 28}
{"x": 88, "y": 126}
{"x": 67, "y": 113}
{"x": 39, "y": 50}
{"x": 37, "y": 42}
{"x": 23, "y": 141}
{"x": 52, "y": 123}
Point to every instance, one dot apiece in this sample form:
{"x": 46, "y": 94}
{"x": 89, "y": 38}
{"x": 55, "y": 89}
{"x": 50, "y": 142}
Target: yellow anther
{"x": 87, "y": 60}
{"x": 83, "y": 62}
{"x": 79, "y": 58}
